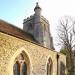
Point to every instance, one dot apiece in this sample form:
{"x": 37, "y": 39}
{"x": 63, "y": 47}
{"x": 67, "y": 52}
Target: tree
{"x": 66, "y": 34}
{"x": 63, "y": 50}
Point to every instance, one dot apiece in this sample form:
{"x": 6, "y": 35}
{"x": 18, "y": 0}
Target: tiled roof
{"x": 10, "y": 29}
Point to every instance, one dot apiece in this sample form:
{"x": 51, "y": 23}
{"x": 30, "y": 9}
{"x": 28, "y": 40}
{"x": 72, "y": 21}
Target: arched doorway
{"x": 49, "y": 67}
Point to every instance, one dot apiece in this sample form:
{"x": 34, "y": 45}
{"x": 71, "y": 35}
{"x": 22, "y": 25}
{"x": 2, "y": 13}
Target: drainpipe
{"x": 57, "y": 56}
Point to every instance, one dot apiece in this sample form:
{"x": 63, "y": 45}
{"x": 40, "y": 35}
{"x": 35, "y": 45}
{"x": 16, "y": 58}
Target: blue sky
{"x": 14, "y": 11}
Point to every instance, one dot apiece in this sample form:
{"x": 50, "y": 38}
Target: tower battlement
{"x": 28, "y": 18}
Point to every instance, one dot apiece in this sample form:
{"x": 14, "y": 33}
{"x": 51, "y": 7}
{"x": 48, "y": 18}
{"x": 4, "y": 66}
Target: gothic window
{"x": 20, "y": 67}
{"x": 49, "y": 67}
{"x": 24, "y": 69}
{"x": 16, "y": 68}
{"x": 62, "y": 68}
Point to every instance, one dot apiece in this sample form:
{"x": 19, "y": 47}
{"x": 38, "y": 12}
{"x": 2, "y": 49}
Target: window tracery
{"x": 20, "y": 67}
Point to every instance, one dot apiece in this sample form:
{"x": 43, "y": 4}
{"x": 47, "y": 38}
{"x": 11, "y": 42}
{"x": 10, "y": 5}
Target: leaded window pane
{"x": 16, "y": 69}
{"x": 24, "y": 69}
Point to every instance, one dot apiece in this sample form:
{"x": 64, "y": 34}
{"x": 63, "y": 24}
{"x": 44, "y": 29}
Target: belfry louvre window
{"x": 20, "y": 67}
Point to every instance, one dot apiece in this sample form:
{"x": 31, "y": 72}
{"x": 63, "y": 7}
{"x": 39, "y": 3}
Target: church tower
{"x": 38, "y": 26}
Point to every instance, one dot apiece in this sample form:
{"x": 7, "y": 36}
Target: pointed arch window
{"x": 49, "y": 67}
{"x": 24, "y": 69}
{"x": 20, "y": 67}
{"x": 62, "y": 68}
{"x": 16, "y": 68}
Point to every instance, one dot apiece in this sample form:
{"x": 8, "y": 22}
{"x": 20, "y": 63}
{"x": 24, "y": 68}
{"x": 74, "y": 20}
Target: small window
{"x": 24, "y": 69}
{"x": 62, "y": 68}
{"x": 44, "y": 27}
{"x": 49, "y": 67}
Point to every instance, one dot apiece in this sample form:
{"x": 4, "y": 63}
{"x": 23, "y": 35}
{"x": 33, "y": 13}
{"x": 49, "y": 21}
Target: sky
{"x": 14, "y": 11}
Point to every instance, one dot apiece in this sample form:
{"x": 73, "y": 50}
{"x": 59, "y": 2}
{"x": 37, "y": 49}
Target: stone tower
{"x": 38, "y": 26}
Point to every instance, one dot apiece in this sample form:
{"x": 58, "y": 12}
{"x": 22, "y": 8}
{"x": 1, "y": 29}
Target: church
{"x": 29, "y": 51}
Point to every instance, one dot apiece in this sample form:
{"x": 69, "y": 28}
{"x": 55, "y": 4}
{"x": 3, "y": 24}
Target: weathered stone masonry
{"x": 11, "y": 46}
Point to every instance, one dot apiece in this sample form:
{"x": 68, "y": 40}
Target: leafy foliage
{"x": 64, "y": 51}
